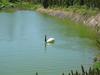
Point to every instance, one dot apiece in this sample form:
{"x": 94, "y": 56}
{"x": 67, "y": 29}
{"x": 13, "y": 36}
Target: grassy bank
{"x": 83, "y": 10}
{"x": 27, "y": 6}
{"x": 11, "y": 7}
{"x": 85, "y": 16}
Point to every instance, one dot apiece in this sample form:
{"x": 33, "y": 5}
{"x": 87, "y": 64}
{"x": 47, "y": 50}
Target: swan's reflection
{"x": 48, "y": 45}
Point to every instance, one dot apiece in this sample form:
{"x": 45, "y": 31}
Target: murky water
{"x": 22, "y": 50}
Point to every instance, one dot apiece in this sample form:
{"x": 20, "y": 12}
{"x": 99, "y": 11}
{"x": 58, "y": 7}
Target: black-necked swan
{"x": 49, "y": 40}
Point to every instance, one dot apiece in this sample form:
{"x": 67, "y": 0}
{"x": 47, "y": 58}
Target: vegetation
{"x": 89, "y": 72}
{"x": 90, "y": 7}
{"x": 97, "y": 65}
{"x": 62, "y": 3}
{"x": 17, "y": 4}
{"x": 45, "y": 3}
{"x": 97, "y": 61}
{"x": 26, "y": 5}
{"x": 68, "y": 3}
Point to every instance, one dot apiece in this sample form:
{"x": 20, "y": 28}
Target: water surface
{"x": 22, "y": 50}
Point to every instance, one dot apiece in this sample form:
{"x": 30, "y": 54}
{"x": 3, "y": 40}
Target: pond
{"x": 22, "y": 50}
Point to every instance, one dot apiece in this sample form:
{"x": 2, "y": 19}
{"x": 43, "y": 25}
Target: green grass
{"x": 82, "y": 30}
{"x": 18, "y": 6}
{"x": 83, "y": 10}
{"x": 27, "y": 6}
{"x": 97, "y": 65}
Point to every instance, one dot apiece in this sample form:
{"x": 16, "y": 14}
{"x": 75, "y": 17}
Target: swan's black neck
{"x": 45, "y": 38}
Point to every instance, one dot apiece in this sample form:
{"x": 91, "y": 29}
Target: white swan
{"x": 49, "y": 40}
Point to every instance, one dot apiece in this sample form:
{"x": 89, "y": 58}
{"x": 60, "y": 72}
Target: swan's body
{"x": 50, "y": 40}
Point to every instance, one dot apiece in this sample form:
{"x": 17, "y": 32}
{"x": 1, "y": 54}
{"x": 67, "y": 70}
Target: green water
{"x": 22, "y": 50}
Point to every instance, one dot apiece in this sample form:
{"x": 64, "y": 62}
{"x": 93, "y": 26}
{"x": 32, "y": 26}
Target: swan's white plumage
{"x": 50, "y": 40}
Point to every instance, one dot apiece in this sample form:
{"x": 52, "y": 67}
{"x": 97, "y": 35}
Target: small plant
{"x": 91, "y": 71}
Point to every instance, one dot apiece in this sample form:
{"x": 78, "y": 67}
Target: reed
{"x": 83, "y": 72}
{"x": 89, "y": 72}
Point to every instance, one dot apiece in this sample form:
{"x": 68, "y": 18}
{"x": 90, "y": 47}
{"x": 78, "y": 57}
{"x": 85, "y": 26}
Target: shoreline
{"x": 91, "y": 21}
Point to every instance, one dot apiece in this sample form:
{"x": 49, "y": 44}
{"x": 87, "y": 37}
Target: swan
{"x": 49, "y": 40}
